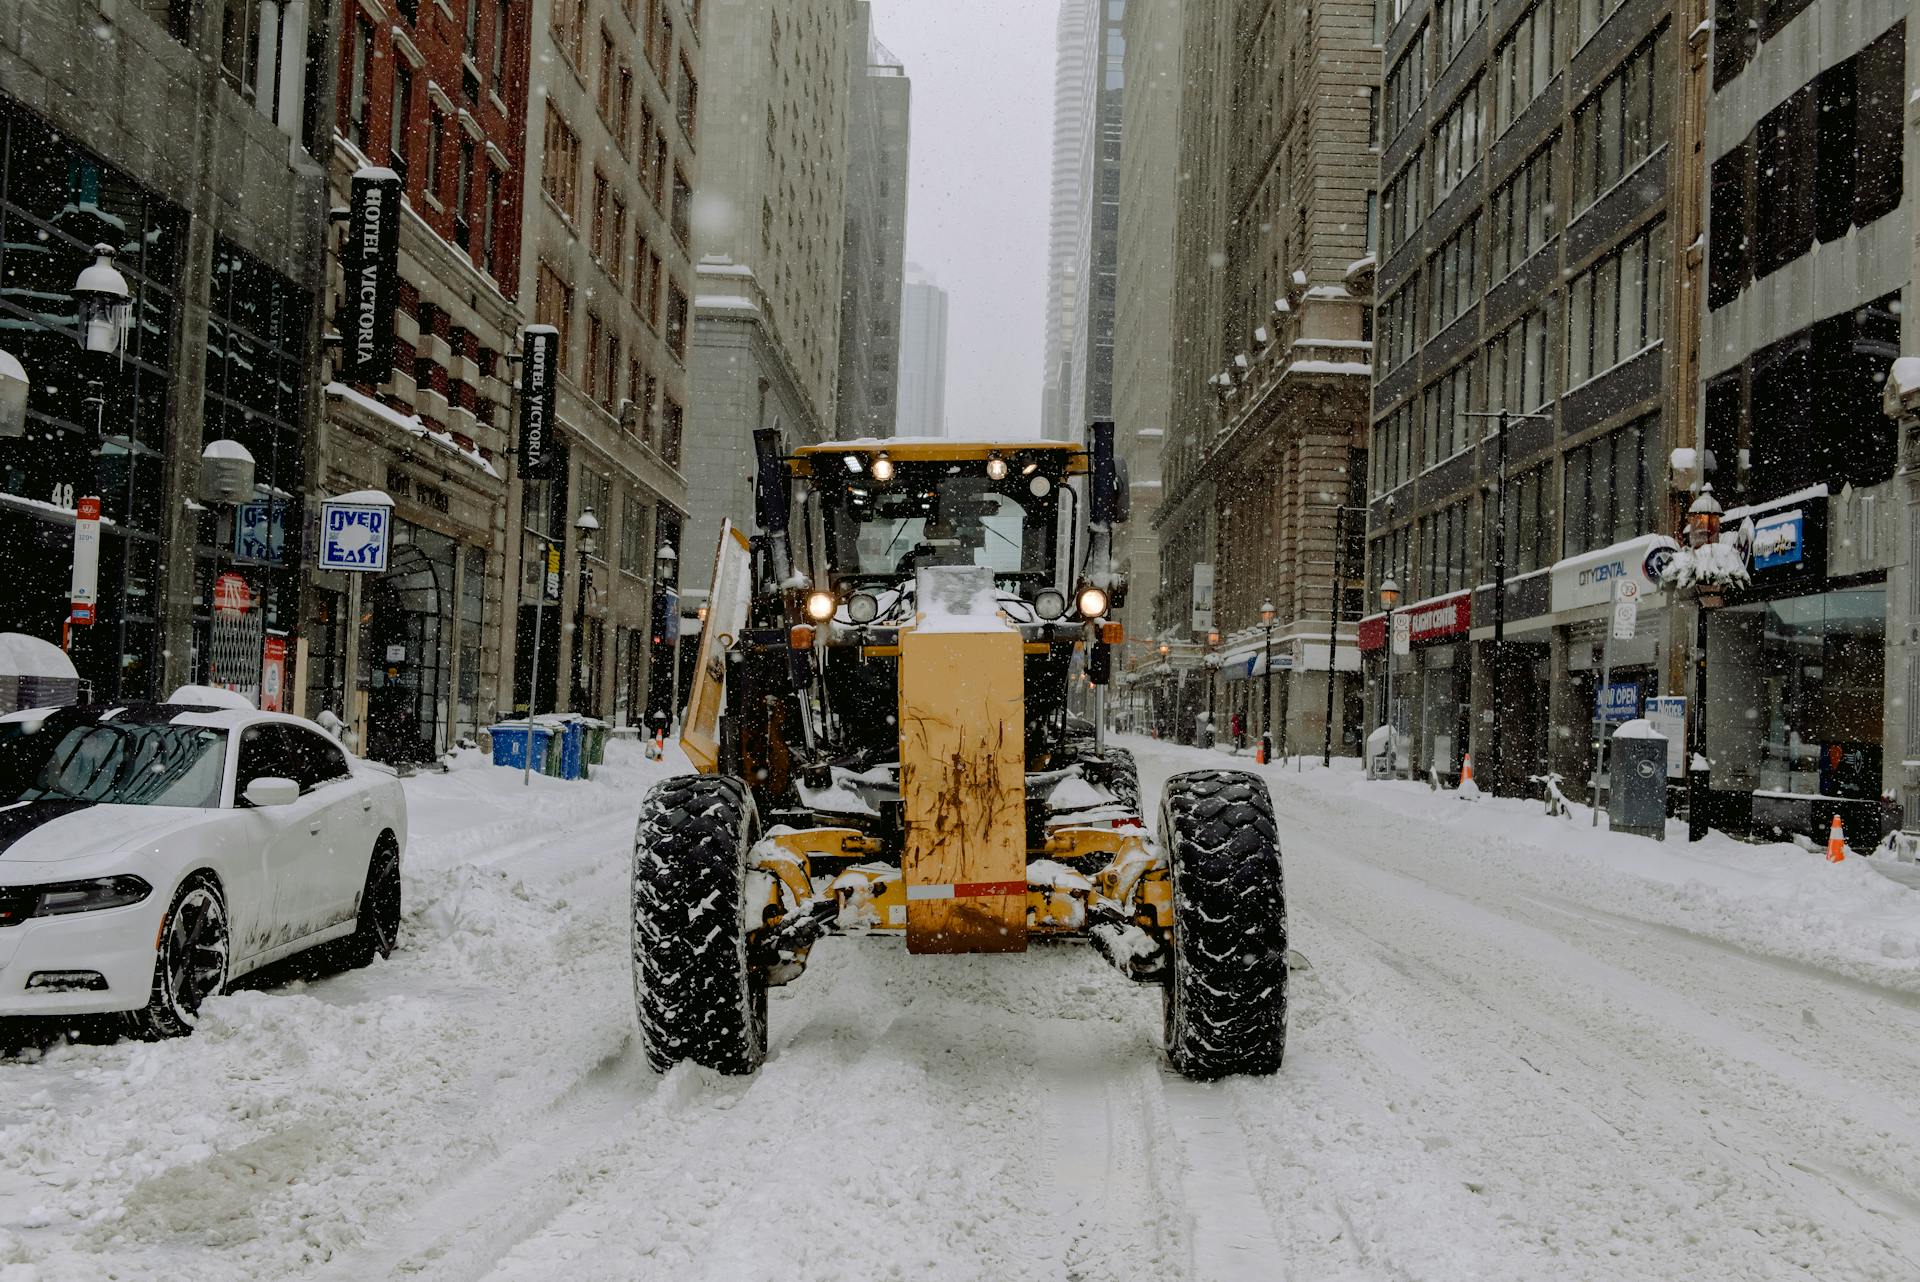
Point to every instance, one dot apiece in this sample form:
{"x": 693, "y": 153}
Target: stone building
{"x": 188, "y": 136}
{"x": 435, "y": 92}
{"x": 616, "y": 102}
{"x": 923, "y": 357}
{"x": 874, "y": 262}
{"x": 1270, "y": 433}
{"x": 769, "y": 240}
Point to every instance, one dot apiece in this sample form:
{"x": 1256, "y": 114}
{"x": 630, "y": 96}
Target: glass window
{"x": 125, "y": 763}
{"x": 1620, "y": 124}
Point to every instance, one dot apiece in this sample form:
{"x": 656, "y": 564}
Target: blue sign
{"x": 353, "y": 536}
{"x": 1617, "y": 703}
{"x": 1779, "y": 541}
{"x": 260, "y": 532}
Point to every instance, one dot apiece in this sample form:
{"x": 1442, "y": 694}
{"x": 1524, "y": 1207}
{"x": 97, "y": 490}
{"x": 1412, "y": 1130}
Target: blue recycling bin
{"x": 573, "y": 743}
{"x": 510, "y": 745}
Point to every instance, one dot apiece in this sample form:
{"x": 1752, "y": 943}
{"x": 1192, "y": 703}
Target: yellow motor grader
{"x": 880, "y": 720}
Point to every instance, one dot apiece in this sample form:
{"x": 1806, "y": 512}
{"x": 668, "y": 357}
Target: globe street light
{"x": 1266, "y": 711}
{"x": 1390, "y": 597}
{"x": 13, "y": 395}
{"x": 666, "y": 565}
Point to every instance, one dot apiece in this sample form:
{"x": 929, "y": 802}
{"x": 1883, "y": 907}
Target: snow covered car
{"x": 152, "y": 853}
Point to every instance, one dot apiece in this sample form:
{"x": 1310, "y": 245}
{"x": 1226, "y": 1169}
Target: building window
{"x": 436, "y": 144}
{"x": 1456, "y": 142}
{"x": 677, "y": 318}
{"x": 617, "y": 242}
{"x": 1445, "y": 538}
{"x": 553, "y": 305}
{"x": 1373, "y": 222}
{"x": 672, "y": 424}
{"x": 568, "y": 24}
{"x": 1401, "y": 205}
{"x": 497, "y": 73}
{"x": 1620, "y": 124}
{"x": 1453, "y": 277}
{"x": 489, "y": 230}
{"x": 1398, "y": 325}
{"x": 1617, "y": 307}
{"x": 682, "y": 208}
{"x": 1445, "y": 406}
{"x": 1526, "y": 60}
{"x": 1530, "y": 510}
{"x": 596, "y": 351}
{"x": 663, "y": 45}
{"x": 560, "y": 172}
{"x": 1589, "y": 15}
{"x": 602, "y": 213}
{"x": 1520, "y": 365}
{"x": 636, "y": 547}
{"x": 1522, "y": 214}
{"x": 655, "y": 275}
{"x": 400, "y": 124}
{"x": 360, "y": 83}
{"x": 1612, "y": 487}
{"x": 1455, "y": 20}
{"x": 1392, "y": 455}
{"x": 659, "y": 175}
{"x": 609, "y": 75}
{"x": 1823, "y": 162}
{"x": 463, "y": 195}
{"x": 686, "y": 101}
{"x": 1373, "y": 117}
{"x": 1407, "y": 84}
{"x": 623, "y": 112}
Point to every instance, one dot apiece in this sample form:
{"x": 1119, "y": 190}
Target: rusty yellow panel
{"x": 963, "y": 781}
{"x": 1055, "y": 912}
{"x": 727, "y": 602}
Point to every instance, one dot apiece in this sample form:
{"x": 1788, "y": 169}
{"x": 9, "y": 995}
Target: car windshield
{"x": 112, "y": 762}
{"x": 929, "y": 519}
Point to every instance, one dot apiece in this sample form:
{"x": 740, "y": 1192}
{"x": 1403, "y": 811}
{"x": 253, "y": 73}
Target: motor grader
{"x": 881, "y": 722}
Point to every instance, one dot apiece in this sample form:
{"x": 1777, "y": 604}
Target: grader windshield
{"x": 943, "y": 514}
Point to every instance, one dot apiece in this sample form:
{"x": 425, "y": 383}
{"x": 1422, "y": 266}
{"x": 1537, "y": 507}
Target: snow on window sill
{"x": 1619, "y": 182}
{"x": 1594, "y": 378}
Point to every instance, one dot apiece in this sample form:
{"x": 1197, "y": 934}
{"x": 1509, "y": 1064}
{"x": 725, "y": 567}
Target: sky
{"x": 982, "y": 155}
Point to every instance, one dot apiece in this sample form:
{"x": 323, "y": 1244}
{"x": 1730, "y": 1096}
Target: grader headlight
{"x": 1092, "y": 602}
{"x": 820, "y": 606}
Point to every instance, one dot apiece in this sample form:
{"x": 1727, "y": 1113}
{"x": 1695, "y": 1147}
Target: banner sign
{"x": 1668, "y": 715}
{"x": 1588, "y": 580}
{"x": 260, "y": 532}
{"x": 1780, "y": 540}
{"x": 1437, "y": 620}
{"x": 273, "y": 675}
{"x": 1618, "y": 703}
{"x": 370, "y": 263}
{"x": 539, "y": 387}
{"x": 353, "y": 536}
{"x": 86, "y": 560}
{"x": 550, "y": 582}
{"x": 1203, "y": 597}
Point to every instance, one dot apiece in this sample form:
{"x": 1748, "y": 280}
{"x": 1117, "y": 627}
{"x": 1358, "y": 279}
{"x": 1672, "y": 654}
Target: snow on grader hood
{"x": 880, "y": 718}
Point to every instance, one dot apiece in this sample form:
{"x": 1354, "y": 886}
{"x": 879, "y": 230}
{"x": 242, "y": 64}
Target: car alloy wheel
{"x": 193, "y": 963}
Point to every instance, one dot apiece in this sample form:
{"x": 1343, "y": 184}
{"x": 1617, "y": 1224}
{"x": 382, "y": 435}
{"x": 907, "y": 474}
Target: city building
{"x": 1533, "y": 224}
{"x": 1271, "y": 405}
{"x": 412, "y": 658}
{"x": 1096, "y": 253}
{"x": 1070, "y": 97}
{"x": 1143, "y": 331}
{"x": 1809, "y": 256}
{"x": 923, "y": 357}
{"x": 769, "y": 241}
{"x": 616, "y": 101}
{"x": 113, "y": 127}
{"x": 878, "y": 103}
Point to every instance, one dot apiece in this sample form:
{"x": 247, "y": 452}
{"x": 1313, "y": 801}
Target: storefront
{"x": 1432, "y": 682}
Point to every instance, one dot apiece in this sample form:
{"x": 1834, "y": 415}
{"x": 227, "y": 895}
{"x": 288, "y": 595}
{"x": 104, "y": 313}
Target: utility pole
{"x": 1333, "y": 625}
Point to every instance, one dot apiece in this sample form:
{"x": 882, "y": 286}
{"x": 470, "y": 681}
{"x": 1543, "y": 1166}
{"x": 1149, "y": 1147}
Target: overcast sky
{"x": 982, "y": 75}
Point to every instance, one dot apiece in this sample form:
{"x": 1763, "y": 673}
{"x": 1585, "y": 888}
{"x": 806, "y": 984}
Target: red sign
{"x": 231, "y": 595}
{"x": 273, "y": 676}
{"x": 1437, "y": 620}
{"x": 1373, "y": 633}
{"x": 85, "y": 597}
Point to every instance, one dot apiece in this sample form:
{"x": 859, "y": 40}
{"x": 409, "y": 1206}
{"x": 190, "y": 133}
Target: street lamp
{"x": 586, "y": 525}
{"x": 1390, "y": 597}
{"x": 1172, "y": 723}
{"x": 1266, "y": 709}
{"x": 666, "y": 565}
{"x": 102, "y": 303}
{"x": 1213, "y": 674}
{"x": 13, "y": 395}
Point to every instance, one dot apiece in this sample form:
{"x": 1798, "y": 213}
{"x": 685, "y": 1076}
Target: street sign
{"x": 354, "y": 535}
{"x": 260, "y": 532}
{"x": 1626, "y": 617}
{"x": 369, "y": 263}
{"x": 1617, "y": 702}
{"x": 1668, "y": 714}
{"x": 273, "y": 675}
{"x": 539, "y": 390}
{"x": 551, "y": 583}
{"x": 1403, "y": 634}
{"x": 86, "y": 560}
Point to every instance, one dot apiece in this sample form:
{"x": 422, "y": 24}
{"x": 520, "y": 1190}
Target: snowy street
{"x": 1518, "y": 1049}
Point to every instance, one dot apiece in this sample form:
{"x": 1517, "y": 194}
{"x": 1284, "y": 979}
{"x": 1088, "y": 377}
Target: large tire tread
{"x": 1227, "y": 993}
{"x": 697, "y": 996}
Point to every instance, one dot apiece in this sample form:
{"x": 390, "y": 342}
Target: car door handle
{"x": 314, "y": 827}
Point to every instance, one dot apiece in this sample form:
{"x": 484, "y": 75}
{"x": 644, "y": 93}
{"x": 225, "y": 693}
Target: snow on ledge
{"x": 411, "y": 424}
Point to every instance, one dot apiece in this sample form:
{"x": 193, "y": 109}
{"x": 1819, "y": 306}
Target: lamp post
{"x": 666, "y": 564}
{"x": 587, "y": 525}
{"x": 1266, "y": 699}
{"x": 102, "y": 303}
{"x": 1171, "y": 723}
{"x": 1390, "y": 597}
{"x": 1703, "y": 529}
{"x": 1213, "y": 675}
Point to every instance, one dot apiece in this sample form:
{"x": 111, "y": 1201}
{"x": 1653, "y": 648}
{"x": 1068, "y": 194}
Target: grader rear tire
{"x": 698, "y": 998}
{"x": 1226, "y": 998}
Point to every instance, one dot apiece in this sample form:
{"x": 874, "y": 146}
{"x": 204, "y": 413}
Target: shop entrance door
{"x": 406, "y": 659}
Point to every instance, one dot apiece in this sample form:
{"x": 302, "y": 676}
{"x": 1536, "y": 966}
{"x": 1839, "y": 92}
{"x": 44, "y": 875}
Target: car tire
{"x": 697, "y": 995}
{"x": 190, "y": 960}
{"x": 1226, "y": 995}
{"x": 376, "y": 930}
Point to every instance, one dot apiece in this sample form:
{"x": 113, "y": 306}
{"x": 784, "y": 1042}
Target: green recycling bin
{"x": 596, "y": 742}
{"x": 554, "y": 765}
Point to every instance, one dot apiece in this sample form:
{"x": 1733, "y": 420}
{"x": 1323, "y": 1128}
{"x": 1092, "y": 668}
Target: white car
{"x": 152, "y": 853}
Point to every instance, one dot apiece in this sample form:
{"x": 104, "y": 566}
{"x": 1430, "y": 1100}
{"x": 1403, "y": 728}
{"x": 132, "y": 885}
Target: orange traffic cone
{"x": 1466, "y": 769}
{"x": 1836, "y": 842}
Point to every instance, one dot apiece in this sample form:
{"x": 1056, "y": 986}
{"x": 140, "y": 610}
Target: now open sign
{"x": 353, "y": 536}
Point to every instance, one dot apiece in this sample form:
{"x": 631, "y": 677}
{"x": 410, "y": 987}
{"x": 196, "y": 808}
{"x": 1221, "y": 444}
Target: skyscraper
{"x": 923, "y": 358}
{"x": 1069, "y": 109}
{"x": 876, "y": 232}
{"x": 1096, "y": 259}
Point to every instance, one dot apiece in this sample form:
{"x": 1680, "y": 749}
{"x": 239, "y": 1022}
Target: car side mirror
{"x": 269, "y": 790}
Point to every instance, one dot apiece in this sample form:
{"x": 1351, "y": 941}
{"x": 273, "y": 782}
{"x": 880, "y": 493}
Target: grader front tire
{"x": 697, "y": 996}
{"x": 1226, "y": 999}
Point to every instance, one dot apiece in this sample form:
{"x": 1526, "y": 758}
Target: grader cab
{"x": 882, "y": 725}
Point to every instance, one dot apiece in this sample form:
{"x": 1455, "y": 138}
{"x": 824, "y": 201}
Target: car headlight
{"x": 1050, "y": 604}
{"x": 863, "y": 607}
{"x": 820, "y": 606}
{"x": 1093, "y": 603}
{"x": 17, "y": 903}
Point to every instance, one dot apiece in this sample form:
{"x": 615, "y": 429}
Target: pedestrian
{"x": 1239, "y": 730}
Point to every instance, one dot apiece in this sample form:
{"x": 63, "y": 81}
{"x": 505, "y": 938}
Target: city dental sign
{"x": 370, "y": 265}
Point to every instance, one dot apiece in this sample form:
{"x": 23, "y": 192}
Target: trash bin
{"x": 553, "y": 764}
{"x": 1637, "y": 800}
{"x": 510, "y": 745}
{"x": 596, "y": 742}
{"x": 572, "y": 732}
